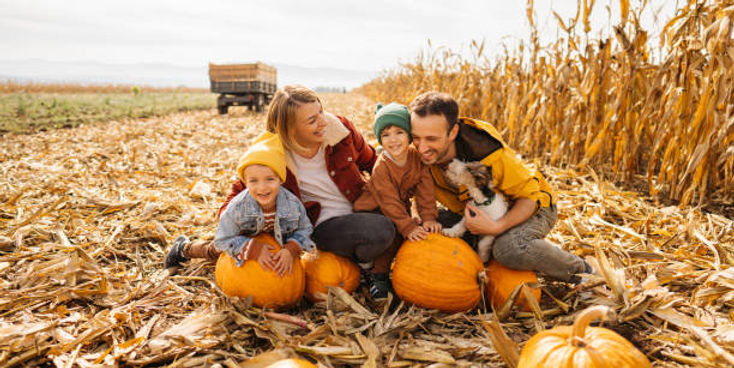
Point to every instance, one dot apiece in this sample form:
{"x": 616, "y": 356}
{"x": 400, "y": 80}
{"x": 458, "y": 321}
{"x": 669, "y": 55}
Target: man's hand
{"x": 479, "y": 223}
{"x": 283, "y": 262}
{"x": 432, "y": 226}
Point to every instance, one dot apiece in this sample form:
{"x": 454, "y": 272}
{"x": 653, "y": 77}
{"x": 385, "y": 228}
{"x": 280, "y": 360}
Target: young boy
{"x": 398, "y": 176}
{"x": 264, "y": 207}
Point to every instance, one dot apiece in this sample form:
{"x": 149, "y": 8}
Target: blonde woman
{"x": 325, "y": 159}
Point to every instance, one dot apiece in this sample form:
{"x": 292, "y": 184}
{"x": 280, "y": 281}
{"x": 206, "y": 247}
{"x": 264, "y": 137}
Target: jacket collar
{"x": 335, "y": 131}
{"x": 283, "y": 207}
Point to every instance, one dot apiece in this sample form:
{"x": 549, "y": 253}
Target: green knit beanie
{"x": 391, "y": 114}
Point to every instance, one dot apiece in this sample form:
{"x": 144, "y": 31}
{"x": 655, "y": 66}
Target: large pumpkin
{"x": 438, "y": 273}
{"x": 265, "y": 286}
{"x": 581, "y": 346}
{"x": 502, "y": 281}
{"x": 325, "y": 269}
{"x": 292, "y": 363}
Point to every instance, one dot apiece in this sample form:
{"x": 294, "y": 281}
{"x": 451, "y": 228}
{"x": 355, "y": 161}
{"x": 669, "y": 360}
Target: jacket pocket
{"x": 289, "y": 224}
{"x": 248, "y": 224}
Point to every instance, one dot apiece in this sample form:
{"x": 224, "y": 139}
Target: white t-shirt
{"x": 316, "y": 184}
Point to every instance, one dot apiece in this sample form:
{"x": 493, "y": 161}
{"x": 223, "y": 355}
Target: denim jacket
{"x": 243, "y": 218}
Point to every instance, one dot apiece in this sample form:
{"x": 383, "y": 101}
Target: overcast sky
{"x": 359, "y": 35}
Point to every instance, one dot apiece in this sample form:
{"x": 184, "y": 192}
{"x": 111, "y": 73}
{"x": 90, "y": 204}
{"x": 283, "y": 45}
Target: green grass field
{"x": 32, "y": 112}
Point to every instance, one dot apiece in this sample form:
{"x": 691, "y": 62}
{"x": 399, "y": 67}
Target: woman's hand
{"x": 283, "y": 262}
{"x": 432, "y": 226}
{"x": 417, "y": 234}
{"x": 479, "y": 223}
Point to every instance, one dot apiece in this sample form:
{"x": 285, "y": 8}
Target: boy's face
{"x": 395, "y": 140}
{"x": 263, "y": 184}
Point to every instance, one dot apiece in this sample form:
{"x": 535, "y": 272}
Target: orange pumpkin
{"x": 328, "y": 269}
{"x": 292, "y": 363}
{"x": 266, "y": 287}
{"x": 502, "y": 281}
{"x": 438, "y": 273}
{"x": 581, "y": 346}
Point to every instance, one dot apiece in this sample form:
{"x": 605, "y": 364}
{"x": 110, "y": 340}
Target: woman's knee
{"x": 381, "y": 236}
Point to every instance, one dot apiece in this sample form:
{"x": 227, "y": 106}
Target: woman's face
{"x": 310, "y": 125}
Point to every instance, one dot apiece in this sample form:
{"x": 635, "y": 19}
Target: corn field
{"x": 604, "y": 103}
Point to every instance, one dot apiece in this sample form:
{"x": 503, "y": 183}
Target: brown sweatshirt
{"x": 391, "y": 187}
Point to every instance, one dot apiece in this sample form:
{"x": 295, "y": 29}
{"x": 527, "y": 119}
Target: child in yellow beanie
{"x": 264, "y": 207}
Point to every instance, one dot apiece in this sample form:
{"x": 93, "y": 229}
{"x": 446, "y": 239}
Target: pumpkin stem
{"x": 482, "y": 278}
{"x": 583, "y": 320}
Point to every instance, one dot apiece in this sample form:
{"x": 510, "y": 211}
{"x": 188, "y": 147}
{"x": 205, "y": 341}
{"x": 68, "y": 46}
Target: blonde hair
{"x": 281, "y": 117}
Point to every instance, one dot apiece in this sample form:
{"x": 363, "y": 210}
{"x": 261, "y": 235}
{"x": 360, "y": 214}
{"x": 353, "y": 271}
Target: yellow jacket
{"x": 509, "y": 175}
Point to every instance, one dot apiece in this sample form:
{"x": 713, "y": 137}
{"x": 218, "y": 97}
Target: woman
{"x": 325, "y": 158}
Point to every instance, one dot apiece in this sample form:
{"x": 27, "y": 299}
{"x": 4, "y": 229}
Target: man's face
{"x": 432, "y": 138}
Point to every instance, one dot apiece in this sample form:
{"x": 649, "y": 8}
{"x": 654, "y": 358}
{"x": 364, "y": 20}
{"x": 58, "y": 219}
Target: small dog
{"x": 477, "y": 178}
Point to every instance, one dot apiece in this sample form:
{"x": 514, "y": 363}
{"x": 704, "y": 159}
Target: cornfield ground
{"x": 88, "y": 213}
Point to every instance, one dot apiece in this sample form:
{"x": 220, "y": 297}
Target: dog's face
{"x": 481, "y": 173}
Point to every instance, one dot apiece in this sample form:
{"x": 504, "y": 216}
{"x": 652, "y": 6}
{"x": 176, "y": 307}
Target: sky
{"x": 366, "y": 36}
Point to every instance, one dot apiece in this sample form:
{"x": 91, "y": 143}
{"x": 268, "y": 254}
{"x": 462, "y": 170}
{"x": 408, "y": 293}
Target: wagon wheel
{"x": 260, "y": 104}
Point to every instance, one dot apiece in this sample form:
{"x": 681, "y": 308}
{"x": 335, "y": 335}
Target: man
{"x": 440, "y": 136}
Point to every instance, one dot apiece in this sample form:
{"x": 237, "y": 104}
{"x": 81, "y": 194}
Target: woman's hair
{"x": 281, "y": 118}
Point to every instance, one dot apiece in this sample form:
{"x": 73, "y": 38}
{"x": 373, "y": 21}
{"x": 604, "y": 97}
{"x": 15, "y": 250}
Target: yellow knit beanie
{"x": 266, "y": 149}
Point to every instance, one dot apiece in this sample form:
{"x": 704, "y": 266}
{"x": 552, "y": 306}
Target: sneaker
{"x": 176, "y": 254}
{"x": 588, "y": 270}
{"x": 379, "y": 284}
{"x": 366, "y": 265}
{"x": 364, "y": 271}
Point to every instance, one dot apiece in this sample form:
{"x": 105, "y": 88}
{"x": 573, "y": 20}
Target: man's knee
{"x": 509, "y": 250}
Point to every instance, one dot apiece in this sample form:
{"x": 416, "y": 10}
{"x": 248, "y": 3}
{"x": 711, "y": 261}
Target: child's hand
{"x": 260, "y": 252}
{"x": 417, "y": 234}
{"x": 432, "y": 226}
{"x": 283, "y": 262}
{"x": 266, "y": 259}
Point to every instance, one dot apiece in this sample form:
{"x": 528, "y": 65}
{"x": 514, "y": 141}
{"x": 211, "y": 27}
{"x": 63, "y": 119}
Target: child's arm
{"x": 425, "y": 199}
{"x": 239, "y": 247}
{"x": 298, "y": 242}
{"x": 302, "y": 235}
{"x": 391, "y": 205}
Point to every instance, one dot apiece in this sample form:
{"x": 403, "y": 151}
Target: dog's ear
{"x": 474, "y": 166}
{"x": 482, "y": 174}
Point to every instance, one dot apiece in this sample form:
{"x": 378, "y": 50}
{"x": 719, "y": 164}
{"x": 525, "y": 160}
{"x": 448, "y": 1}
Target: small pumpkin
{"x": 502, "y": 281}
{"x": 581, "y": 346}
{"x": 292, "y": 363}
{"x": 438, "y": 273}
{"x": 325, "y": 269}
{"x": 265, "y": 286}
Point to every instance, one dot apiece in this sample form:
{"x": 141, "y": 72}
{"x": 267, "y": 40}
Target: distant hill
{"x": 166, "y": 75}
